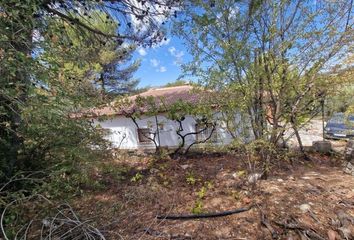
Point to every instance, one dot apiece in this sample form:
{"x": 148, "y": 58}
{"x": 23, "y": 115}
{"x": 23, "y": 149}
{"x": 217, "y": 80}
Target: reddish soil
{"x": 128, "y": 208}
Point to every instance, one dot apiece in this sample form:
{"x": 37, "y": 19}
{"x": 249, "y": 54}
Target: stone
{"x": 349, "y": 151}
{"x": 253, "y": 178}
{"x": 350, "y": 144}
{"x": 291, "y": 178}
{"x": 154, "y": 170}
{"x": 184, "y": 167}
{"x": 331, "y": 234}
{"x": 306, "y": 178}
{"x": 322, "y": 146}
{"x": 345, "y": 232}
{"x": 305, "y": 207}
{"x": 349, "y": 168}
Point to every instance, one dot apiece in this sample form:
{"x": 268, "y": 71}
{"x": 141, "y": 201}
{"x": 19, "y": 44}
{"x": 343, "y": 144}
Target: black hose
{"x": 204, "y": 215}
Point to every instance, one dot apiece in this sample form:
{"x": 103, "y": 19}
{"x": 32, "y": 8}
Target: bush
{"x": 258, "y": 155}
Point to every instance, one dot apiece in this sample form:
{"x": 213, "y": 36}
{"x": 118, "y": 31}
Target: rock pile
{"x": 349, "y": 157}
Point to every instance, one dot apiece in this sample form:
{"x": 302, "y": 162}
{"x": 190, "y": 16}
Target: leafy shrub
{"x": 137, "y": 177}
{"x": 198, "y": 204}
{"x": 191, "y": 179}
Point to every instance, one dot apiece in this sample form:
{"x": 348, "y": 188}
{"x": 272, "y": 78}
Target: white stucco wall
{"x": 124, "y": 134}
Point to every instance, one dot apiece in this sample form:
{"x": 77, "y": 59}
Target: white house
{"x": 124, "y": 133}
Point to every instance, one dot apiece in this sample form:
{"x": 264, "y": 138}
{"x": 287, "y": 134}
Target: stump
{"x": 322, "y": 146}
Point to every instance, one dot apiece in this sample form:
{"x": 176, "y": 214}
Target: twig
{"x": 2, "y": 218}
{"x": 16, "y": 178}
{"x": 301, "y": 229}
{"x": 169, "y": 211}
{"x": 266, "y": 223}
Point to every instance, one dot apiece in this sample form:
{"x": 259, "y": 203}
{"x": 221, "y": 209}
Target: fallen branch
{"x": 205, "y": 215}
{"x": 266, "y": 223}
{"x": 302, "y": 230}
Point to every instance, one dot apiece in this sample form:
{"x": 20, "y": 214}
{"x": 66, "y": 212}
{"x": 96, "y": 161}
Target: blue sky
{"x": 161, "y": 64}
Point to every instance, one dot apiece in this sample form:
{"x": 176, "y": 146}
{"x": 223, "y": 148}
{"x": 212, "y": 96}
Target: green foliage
{"x": 177, "y": 83}
{"x": 38, "y": 93}
{"x": 98, "y": 65}
{"x": 198, "y": 207}
{"x": 137, "y": 177}
{"x": 263, "y": 63}
{"x": 198, "y": 204}
{"x": 202, "y": 192}
{"x": 236, "y": 195}
{"x": 258, "y": 156}
{"x": 56, "y": 59}
{"x": 68, "y": 180}
{"x": 113, "y": 172}
{"x": 161, "y": 154}
{"x": 191, "y": 179}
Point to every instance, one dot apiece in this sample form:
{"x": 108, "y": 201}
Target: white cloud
{"x": 154, "y": 62}
{"x": 162, "y": 69}
{"x": 142, "y": 51}
{"x": 178, "y": 55}
{"x": 172, "y": 50}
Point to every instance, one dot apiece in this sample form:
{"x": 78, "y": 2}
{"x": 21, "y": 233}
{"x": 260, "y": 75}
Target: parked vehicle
{"x": 340, "y": 126}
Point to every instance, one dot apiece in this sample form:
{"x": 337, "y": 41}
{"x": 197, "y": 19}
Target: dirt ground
{"x": 303, "y": 200}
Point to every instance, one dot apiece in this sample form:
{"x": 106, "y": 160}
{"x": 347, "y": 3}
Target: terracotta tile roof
{"x": 166, "y": 96}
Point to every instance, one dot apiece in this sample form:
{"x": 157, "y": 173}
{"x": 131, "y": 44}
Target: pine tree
{"x": 116, "y": 76}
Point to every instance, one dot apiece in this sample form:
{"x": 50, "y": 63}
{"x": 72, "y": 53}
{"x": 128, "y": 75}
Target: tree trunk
{"x": 20, "y": 42}
{"x": 103, "y": 87}
{"x": 298, "y": 137}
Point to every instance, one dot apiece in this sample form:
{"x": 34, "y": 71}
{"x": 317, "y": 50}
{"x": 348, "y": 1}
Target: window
{"x": 144, "y": 135}
{"x": 203, "y": 135}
